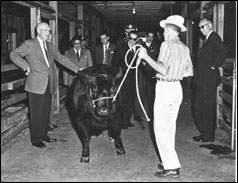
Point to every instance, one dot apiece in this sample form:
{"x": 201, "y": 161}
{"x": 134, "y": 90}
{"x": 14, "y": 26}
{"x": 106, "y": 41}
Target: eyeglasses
{"x": 76, "y": 43}
{"x": 202, "y": 26}
{"x": 131, "y": 38}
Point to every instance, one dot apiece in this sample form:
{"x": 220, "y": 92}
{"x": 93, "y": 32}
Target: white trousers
{"x": 168, "y": 98}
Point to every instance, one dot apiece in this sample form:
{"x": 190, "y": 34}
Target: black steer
{"x": 90, "y": 116}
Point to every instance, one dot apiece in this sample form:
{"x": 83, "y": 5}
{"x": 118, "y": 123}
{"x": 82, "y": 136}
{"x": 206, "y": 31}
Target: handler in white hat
{"x": 172, "y": 65}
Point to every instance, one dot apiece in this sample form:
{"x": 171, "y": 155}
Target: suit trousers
{"x": 40, "y": 106}
{"x": 205, "y": 110}
{"x": 129, "y": 97}
{"x": 168, "y": 98}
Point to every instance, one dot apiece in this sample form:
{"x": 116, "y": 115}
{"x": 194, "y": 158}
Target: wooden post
{"x": 71, "y": 30}
{"x": 234, "y": 114}
{"x": 80, "y": 17}
{"x": 184, "y": 14}
{"x": 54, "y": 27}
{"x": 218, "y": 19}
{"x": 94, "y": 24}
{"x": 35, "y": 19}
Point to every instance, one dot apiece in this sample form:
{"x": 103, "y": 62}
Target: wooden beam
{"x": 8, "y": 121}
{"x": 9, "y": 67}
{"x": 14, "y": 98}
{"x": 225, "y": 96}
{"x": 225, "y": 111}
{"x": 227, "y": 81}
{"x": 12, "y": 85}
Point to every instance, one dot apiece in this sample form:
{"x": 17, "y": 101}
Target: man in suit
{"x": 207, "y": 77}
{"x": 148, "y": 86}
{"x": 128, "y": 87}
{"x": 105, "y": 51}
{"x": 79, "y": 56}
{"x": 36, "y": 57}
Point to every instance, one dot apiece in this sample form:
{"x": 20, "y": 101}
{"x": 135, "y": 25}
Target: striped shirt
{"x": 176, "y": 56}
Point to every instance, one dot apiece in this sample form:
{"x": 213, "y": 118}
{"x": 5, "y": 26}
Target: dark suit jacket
{"x": 153, "y": 52}
{"x": 100, "y": 54}
{"x": 212, "y": 53}
{"x": 29, "y": 54}
{"x": 119, "y": 57}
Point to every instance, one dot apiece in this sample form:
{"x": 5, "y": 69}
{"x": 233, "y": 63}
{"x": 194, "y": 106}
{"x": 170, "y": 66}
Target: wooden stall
{"x": 18, "y": 22}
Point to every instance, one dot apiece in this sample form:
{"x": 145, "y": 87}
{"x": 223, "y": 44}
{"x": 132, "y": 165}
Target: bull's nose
{"x": 103, "y": 112}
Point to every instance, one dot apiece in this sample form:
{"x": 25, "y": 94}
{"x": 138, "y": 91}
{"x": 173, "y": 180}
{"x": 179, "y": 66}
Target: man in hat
{"x": 128, "y": 28}
{"x": 80, "y": 56}
{"x": 172, "y": 65}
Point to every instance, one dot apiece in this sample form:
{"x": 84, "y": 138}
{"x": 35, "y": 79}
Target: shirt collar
{"x": 209, "y": 34}
{"x": 106, "y": 45}
{"x": 76, "y": 50}
{"x": 40, "y": 40}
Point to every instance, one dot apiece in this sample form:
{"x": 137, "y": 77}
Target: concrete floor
{"x": 60, "y": 161}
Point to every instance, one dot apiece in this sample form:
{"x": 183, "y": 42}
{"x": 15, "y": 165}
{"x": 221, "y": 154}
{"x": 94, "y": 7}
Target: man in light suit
{"x": 105, "y": 51}
{"x": 207, "y": 77}
{"x": 79, "y": 56}
{"x": 36, "y": 57}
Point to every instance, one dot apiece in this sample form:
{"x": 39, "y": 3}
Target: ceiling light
{"x": 133, "y": 10}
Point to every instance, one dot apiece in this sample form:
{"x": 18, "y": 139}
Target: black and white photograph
{"x": 118, "y": 91}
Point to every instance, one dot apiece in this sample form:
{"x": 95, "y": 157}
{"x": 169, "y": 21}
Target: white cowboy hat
{"x": 176, "y": 20}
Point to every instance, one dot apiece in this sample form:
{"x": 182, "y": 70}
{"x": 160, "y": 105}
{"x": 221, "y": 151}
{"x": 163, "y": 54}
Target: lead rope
{"x": 131, "y": 67}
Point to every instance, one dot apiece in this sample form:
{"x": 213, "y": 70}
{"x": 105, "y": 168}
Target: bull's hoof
{"x": 120, "y": 151}
{"x": 84, "y": 159}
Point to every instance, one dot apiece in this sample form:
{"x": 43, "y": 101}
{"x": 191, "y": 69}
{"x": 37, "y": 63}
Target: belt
{"x": 165, "y": 80}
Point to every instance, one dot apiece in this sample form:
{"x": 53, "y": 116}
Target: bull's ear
{"x": 85, "y": 78}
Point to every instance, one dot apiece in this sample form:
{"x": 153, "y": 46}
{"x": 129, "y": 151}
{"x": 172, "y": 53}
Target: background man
{"x": 105, "y": 51}
{"x": 79, "y": 56}
{"x": 207, "y": 77}
{"x": 128, "y": 87}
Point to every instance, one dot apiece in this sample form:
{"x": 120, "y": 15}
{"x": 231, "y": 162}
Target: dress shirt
{"x": 79, "y": 52}
{"x": 176, "y": 56}
{"x": 43, "y": 50}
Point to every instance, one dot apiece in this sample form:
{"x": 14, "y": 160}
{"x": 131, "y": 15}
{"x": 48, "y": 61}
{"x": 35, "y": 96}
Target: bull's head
{"x": 102, "y": 87}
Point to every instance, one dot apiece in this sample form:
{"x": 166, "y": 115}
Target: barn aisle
{"x": 60, "y": 161}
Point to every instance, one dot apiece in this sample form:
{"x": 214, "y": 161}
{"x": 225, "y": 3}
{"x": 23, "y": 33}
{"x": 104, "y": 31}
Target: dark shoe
{"x": 53, "y": 126}
{"x": 207, "y": 140}
{"x": 168, "y": 173}
{"x": 50, "y": 129}
{"x": 130, "y": 124}
{"x": 198, "y": 138}
{"x": 127, "y": 125}
{"x": 201, "y": 139}
{"x": 160, "y": 166}
{"x": 138, "y": 119}
{"x": 50, "y": 140}
{"x": 39, "y": 144}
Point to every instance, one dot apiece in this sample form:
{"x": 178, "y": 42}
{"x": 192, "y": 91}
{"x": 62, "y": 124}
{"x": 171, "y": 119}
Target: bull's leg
{"x": 84, "y": 137}
{"x": 116, "y": 134}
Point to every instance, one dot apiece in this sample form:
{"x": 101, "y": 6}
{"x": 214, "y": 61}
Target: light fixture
{"x": 134, "y": 10}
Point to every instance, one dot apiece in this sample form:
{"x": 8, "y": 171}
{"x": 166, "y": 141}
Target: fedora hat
{"x": 176, "y": 20}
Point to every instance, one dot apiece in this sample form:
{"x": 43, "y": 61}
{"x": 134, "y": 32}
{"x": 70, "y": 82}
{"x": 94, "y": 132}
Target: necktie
{"x": 78, "y": 55}
{"x": 105, "y": 55}
{"x": 46, "y": 54}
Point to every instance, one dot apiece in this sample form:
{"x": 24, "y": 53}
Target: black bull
{"x": 91, "y": 117}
